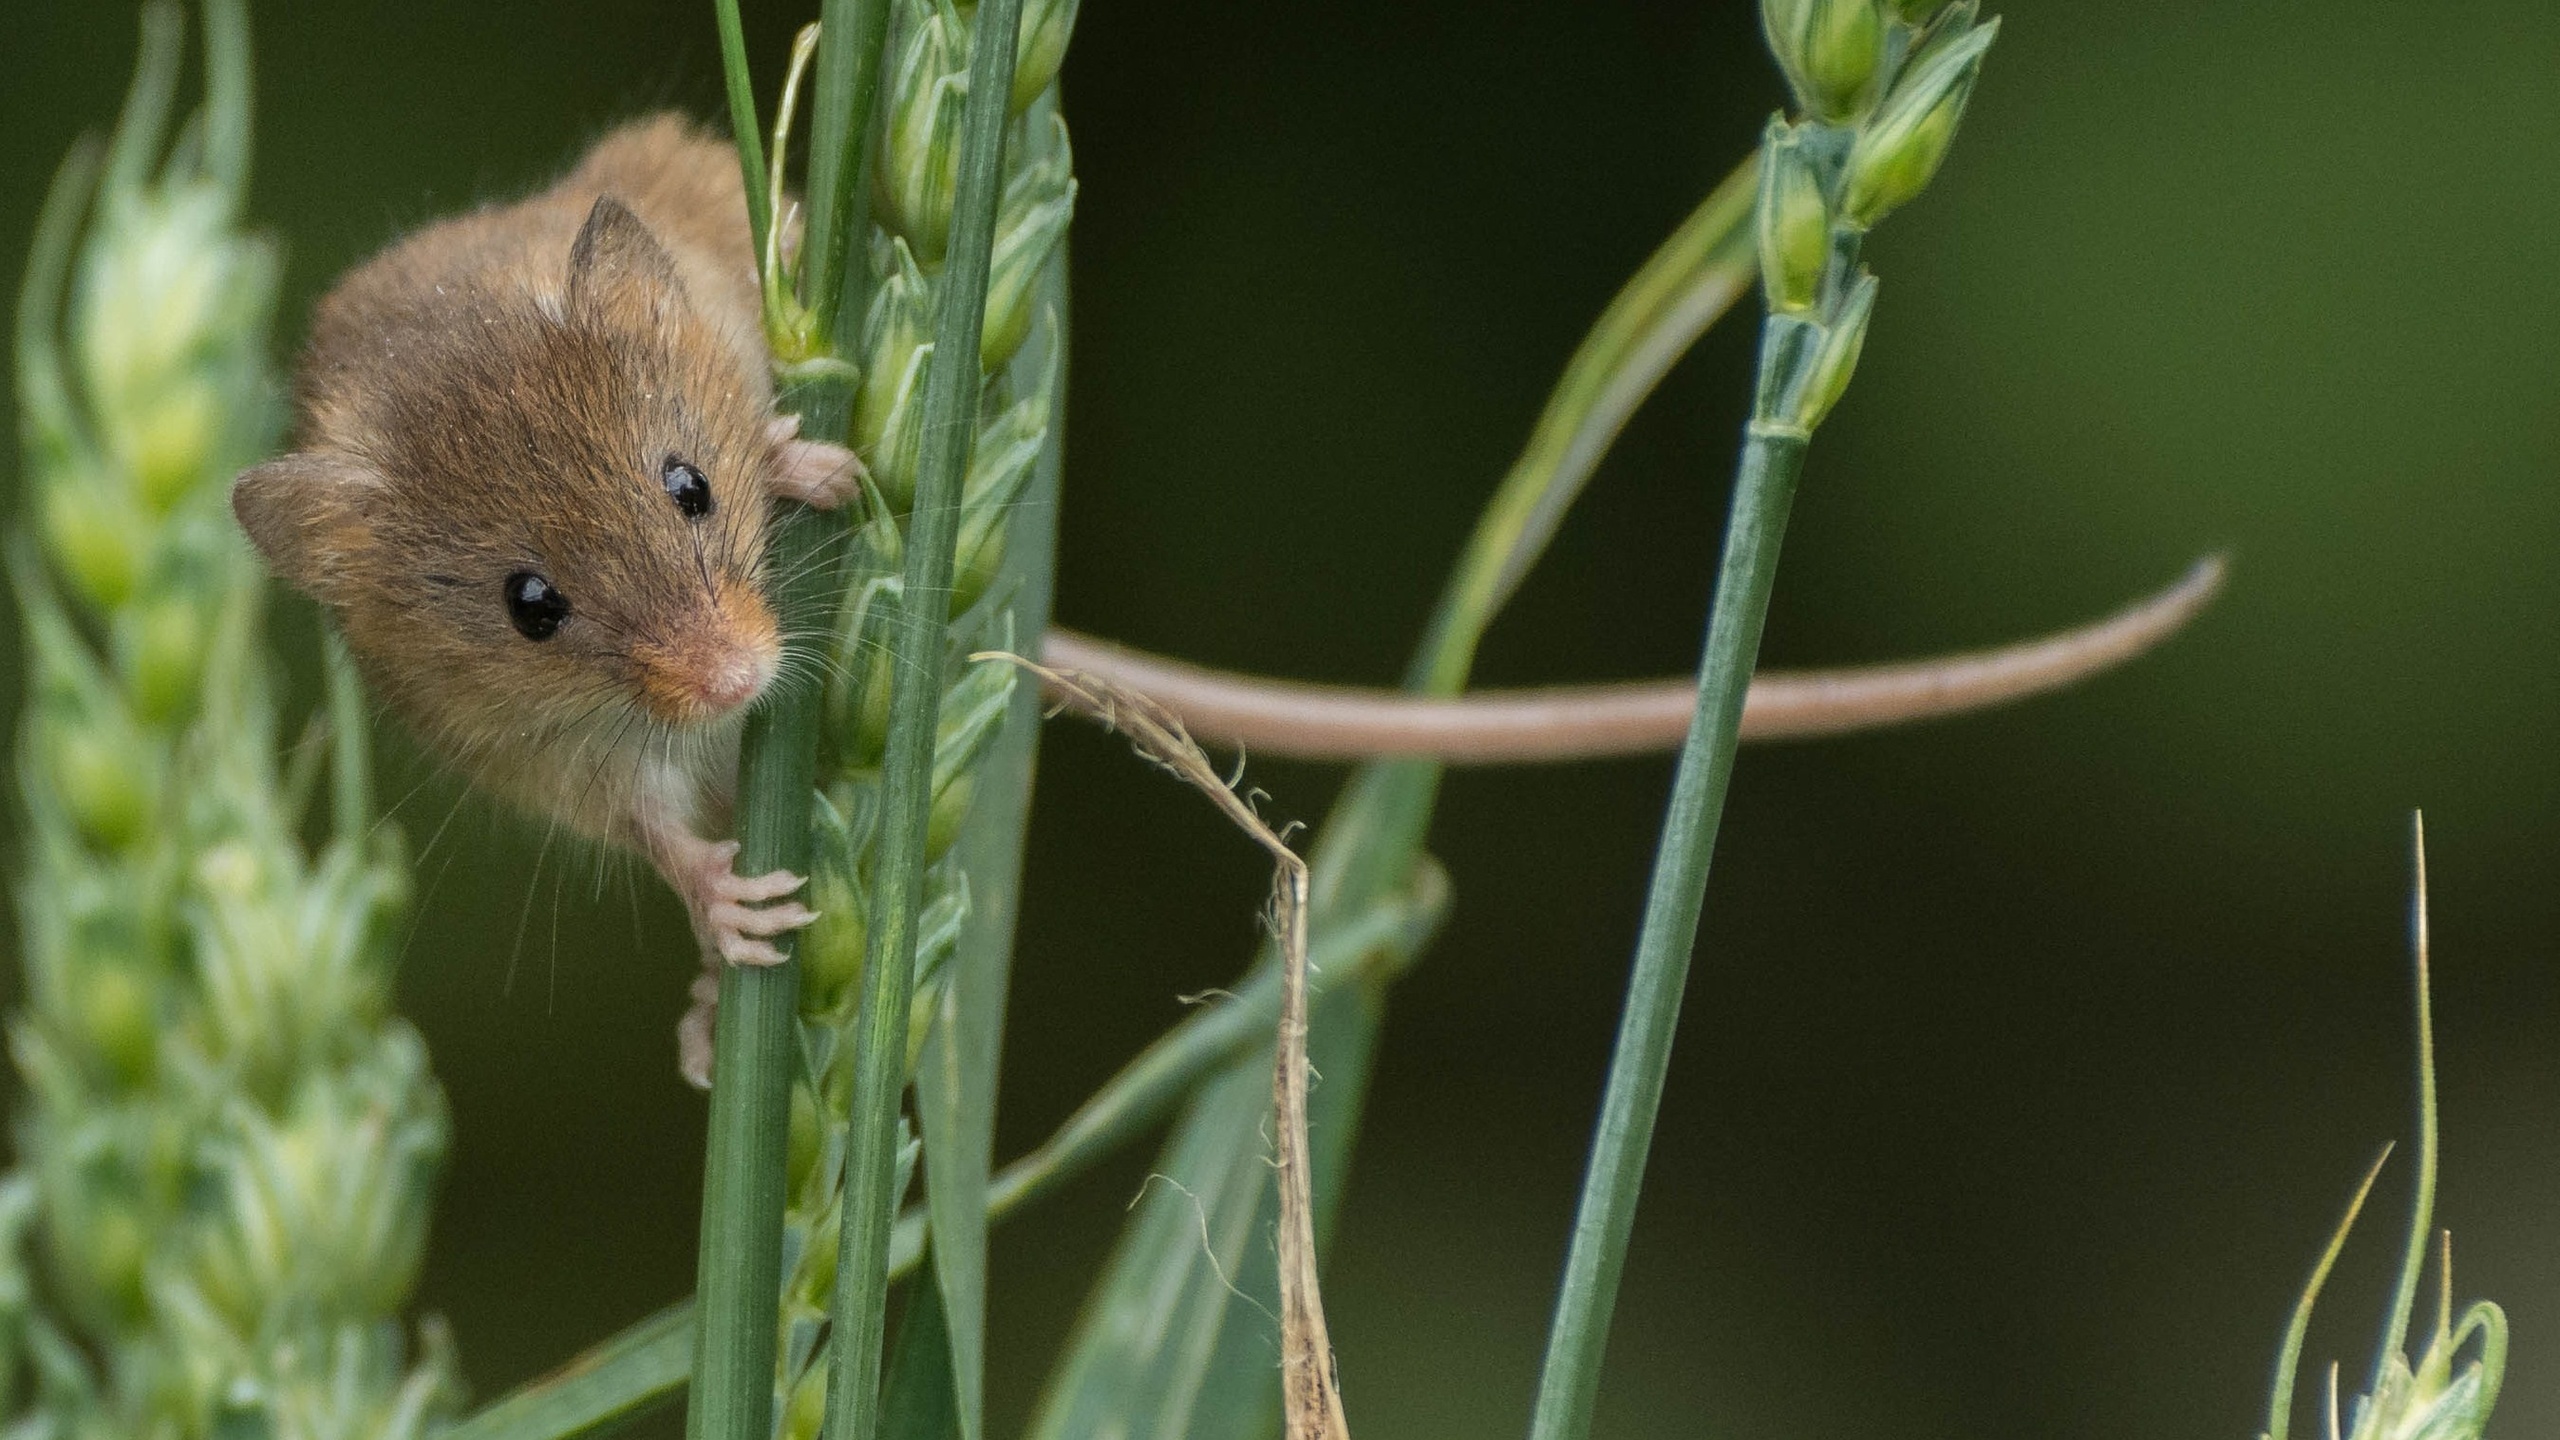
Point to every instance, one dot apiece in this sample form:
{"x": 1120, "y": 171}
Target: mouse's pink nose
{"x": 733, "y": 679}
{"x": 719, "y": 661}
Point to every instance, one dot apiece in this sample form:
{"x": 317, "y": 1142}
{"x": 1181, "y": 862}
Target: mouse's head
{"x": 545, "y": 520}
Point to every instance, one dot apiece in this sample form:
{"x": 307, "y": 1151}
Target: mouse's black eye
{"x": 535, "y": 605}
{"x": 686, "y": 486}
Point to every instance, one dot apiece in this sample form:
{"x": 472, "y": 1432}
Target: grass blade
{"x": 629, "y": 1376}
{"x": 1690, "y": 281}
{"x": 48, "y": 422}
{"x": 916, "y": 646}
{"x": 1368, "y": 950}
{"x": 2289, "y": 1354}
{"x": 2422, "y": 1205}
{"x": 143, "y": 124}
{"x": 1143, "y": 1348}
{"x": 228, "y": 96}
{"x": 920, "y": 1403}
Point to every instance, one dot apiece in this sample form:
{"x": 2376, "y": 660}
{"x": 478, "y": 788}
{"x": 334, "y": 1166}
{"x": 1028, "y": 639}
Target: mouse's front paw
{"x": 737, "y": 915}
{"x": 813, "y": 472}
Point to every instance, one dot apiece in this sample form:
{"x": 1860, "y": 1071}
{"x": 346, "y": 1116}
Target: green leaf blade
{"x": 917, "y": 639}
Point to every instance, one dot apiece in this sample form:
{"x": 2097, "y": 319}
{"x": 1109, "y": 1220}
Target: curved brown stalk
{"x": 1334, "y": 722}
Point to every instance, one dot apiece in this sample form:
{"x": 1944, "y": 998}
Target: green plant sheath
{"x": 1763, "y": 491}
{"x": 951, "y": 381}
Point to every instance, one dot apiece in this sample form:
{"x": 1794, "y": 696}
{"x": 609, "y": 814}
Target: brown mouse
{"x": 537, "y": 444}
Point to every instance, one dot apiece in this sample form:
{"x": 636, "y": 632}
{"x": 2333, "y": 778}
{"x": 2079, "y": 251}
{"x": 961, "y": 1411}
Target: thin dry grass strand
{"x": 1208, "y": 1247}
{"x": 1580, "y": 722}
{"x": 1310, "y": 1397}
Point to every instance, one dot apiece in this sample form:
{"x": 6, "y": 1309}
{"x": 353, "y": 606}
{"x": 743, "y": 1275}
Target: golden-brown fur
{"x": 499, "y": 393}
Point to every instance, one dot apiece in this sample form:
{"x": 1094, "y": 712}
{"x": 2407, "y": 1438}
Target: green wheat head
{"x": 228, "y": 1142}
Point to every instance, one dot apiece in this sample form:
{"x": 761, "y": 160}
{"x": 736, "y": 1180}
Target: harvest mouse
{"x": 536, "y": 448}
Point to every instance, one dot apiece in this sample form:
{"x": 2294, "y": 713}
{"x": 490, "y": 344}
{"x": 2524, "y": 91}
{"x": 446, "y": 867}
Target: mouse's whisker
{"x": 702, "y": 567}
{"x": 604, "y": 761}
{"x": 813, "y": 664}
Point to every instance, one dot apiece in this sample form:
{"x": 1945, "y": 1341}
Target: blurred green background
{"x": 2028, "y": 1056}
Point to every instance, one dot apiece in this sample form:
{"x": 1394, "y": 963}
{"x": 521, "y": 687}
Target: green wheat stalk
{"x": 1882, "y": 92}
{"x": 940, "y": 190}
{"x": 229, "y": 1141}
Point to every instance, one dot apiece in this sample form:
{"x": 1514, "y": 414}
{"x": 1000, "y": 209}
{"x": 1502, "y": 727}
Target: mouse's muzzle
{"x": 713, "y": 661}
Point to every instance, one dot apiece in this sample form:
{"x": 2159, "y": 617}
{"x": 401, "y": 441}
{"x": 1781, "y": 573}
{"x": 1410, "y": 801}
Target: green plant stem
{"x": 850, "y": 37}
{"x": 743, "y": 1180}
{"x": 916, "y": 645}
{"x": 1764, "y": 489}
{"x": 756, "y": 1047}
{"x": 955, "y": 1074}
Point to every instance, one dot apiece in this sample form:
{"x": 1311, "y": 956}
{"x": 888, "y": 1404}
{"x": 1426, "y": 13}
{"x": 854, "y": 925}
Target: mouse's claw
{"x": 737, "y": 914}
{"x": 813, "y": 472}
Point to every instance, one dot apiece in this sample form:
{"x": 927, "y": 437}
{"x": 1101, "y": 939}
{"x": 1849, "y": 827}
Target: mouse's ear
{"x": 617, "y": 263}
{"x": 306, "y": 513}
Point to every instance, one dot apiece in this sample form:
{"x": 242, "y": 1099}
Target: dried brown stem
{"x": 1311, "y": 1404}
{"x": 1331, "y": 722}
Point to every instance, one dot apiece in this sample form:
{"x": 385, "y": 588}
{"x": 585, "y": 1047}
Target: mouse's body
{"x": 537, "y": 444}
